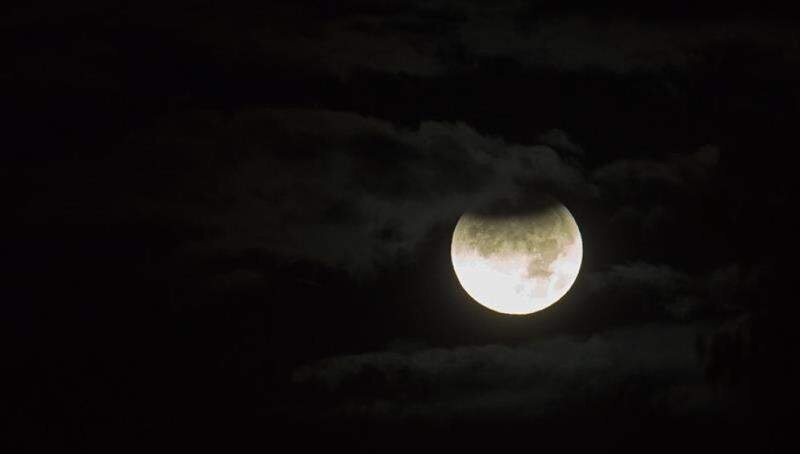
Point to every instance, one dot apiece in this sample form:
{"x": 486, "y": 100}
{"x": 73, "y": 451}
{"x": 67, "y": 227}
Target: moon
{"x": 517, "y": 261}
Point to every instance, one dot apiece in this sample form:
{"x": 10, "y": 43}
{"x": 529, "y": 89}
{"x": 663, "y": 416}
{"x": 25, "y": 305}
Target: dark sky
{"x": 231, "y": 223}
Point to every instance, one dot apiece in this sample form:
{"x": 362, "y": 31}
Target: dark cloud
{"x": 642, "y": 289}
{"x": 434, "y": 38}
{"x": 561, "y": 141}
{"x": 419, "y": 38}
{"x": 651, "y": 361}
{"x": 578, "y": 42}
{"x": 679, "y": 172}
{"x": 675, "y": 197}
{"x": 359, "y": 42}
{"x": 333, "y": 187}
{"x": 658, "y": 291}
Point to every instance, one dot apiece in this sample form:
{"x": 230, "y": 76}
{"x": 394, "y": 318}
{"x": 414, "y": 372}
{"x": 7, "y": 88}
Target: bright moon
{"x": 517, "y": 263}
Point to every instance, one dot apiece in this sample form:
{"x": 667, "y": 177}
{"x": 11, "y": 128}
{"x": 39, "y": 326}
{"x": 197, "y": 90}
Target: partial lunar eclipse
{"x": 517, "y": 261}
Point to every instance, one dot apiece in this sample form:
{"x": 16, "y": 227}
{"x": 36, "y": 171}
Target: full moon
{"x": 517, "y": 261}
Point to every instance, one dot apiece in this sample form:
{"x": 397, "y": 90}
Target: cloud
{"x": 659, "y": 291}
{"x": 331, "y": 187}
{"x": 644, "y": 290}
{"x": 560, "y": 140}
{"x": 662, "y": 278}
{"x": 575, "y": 42}
{"x": 666, "y": 198}
{"x": 342, "y": 49}
{"x": 678, "y": 172}
{"x": 528, "y": 380}
{"x": 347, "y": 190}
{"x": 434, "y": 38}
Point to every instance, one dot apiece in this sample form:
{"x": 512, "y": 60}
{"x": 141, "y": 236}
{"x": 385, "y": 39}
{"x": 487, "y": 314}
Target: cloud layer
{"x": 650, "y": 364}
{"x": 331, "y": 187}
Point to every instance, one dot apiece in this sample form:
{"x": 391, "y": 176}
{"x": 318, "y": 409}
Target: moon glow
{"x": 517, "y": 262}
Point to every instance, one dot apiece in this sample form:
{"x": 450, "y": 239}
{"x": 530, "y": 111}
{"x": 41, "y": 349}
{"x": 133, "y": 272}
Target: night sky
{"x": 228, "y": 224}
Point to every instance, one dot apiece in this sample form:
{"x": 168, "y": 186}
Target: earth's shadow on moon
{"x": 514, "y": 206}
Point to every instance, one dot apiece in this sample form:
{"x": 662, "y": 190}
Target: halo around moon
{"x": 517, "y": 261}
